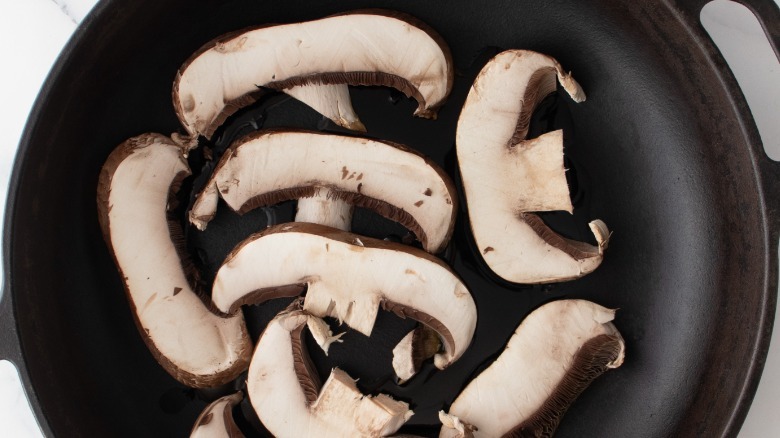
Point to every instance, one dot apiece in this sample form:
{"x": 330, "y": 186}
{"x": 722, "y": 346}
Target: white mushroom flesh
{"x": 552, "y": 356}
{"x": 195, "y": 345}
{"x": 216, "y": 420}
{"x": 507, "y": 177}
{"x": 278, "y": 165}
{"x": 290, "y": 403}
{"x": 353, "y": 48}
{"x": 403, "y": 364}
{"x": 348, "y": 278}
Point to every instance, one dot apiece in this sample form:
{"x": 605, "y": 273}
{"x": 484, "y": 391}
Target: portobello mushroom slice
{"x": 287, "y": 396}
{"x": 330, "y": 100}
{"x": 216, "y": 421}
{"x": 356, "y": 48}
{"x": 507, "y": 177}
{"x": 135, "y": 193}
{"x": 554, "y": 354}
{"x": 348, "y": 277}
{"x": 268, "y": 167}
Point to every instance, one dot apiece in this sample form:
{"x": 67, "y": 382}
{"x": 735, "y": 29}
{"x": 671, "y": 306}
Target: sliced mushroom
{"x": 348, "y": 278}
{"x": 507, "y": 177}
{"x": 286, "y": 395}
{"x": 135, "y": 192}
{"x": 554, "y": 354}
{"x": 357, "y": 48}
{"x": 216, "y": 421}
{"x": 273, "y": 166}
{"x": 330, "y": 100}
{"x": 417, "y": 346}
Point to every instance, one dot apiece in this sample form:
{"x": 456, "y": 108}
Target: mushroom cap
{"x": 550, "y": 359}
{"x": 348, "y": 277}
{"x": 287, "y": 397}
{"x": 268, "y": 167}
{"x": 506, "y": 177}
{"x": 196, "y": 346}
{"x": 351, "y": 48}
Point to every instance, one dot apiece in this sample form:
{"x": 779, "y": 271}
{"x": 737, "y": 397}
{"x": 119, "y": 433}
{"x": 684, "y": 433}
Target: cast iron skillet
{"x": 664, "y": 150}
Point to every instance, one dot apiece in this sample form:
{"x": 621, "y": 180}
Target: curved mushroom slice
{"x": 136, "y": 186}
{"x": 358, "y": 48}
{"x": 348, "y": 278}
{"x": 287, "y": 397}
{"x": 554, "y": 354}
{"x": 216, "y": 421}
{"x": 273, "y": 166}
{"x": 506, "y": 177}
{"x": 330, "y": 100}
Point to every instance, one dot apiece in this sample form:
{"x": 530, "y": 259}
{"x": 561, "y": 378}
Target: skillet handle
{"x": 9, "y": 338}
{"x": 768, "y": 14}
{"x": 766, "y": 11}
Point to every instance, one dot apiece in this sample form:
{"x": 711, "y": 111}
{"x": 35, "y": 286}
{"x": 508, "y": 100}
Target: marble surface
{"x": 36, "y": 30}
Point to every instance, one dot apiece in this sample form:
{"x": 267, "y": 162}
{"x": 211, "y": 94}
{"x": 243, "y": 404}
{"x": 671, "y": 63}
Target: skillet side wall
{"x": 663, "y": 148}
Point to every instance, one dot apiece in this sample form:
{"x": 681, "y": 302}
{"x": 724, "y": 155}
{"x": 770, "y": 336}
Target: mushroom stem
{"x": 325, "y": 209}
{"x": 330, "y": 100}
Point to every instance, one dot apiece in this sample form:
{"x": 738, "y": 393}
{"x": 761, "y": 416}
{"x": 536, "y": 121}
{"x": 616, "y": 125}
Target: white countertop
{"x": 34, "y": 32}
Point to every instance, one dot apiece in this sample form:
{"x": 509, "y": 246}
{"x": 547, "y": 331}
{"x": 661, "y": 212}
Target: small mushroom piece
{"x": 348, "y": 277}
{"x": 135, "y": 192}
{"x": 452, "y": 427}
{"x": 356, "y": 48}
{"x": 274, "y": 166}
{"x": 507, "y": 177}
{"x": 417, "y": 346}
{"x": 216, "y": 421}
{"x": 554, "y": 354}
{"x": 286, "y": 394}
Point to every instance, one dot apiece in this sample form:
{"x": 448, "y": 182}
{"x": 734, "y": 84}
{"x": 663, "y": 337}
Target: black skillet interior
{"x": 661, "y": 151}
